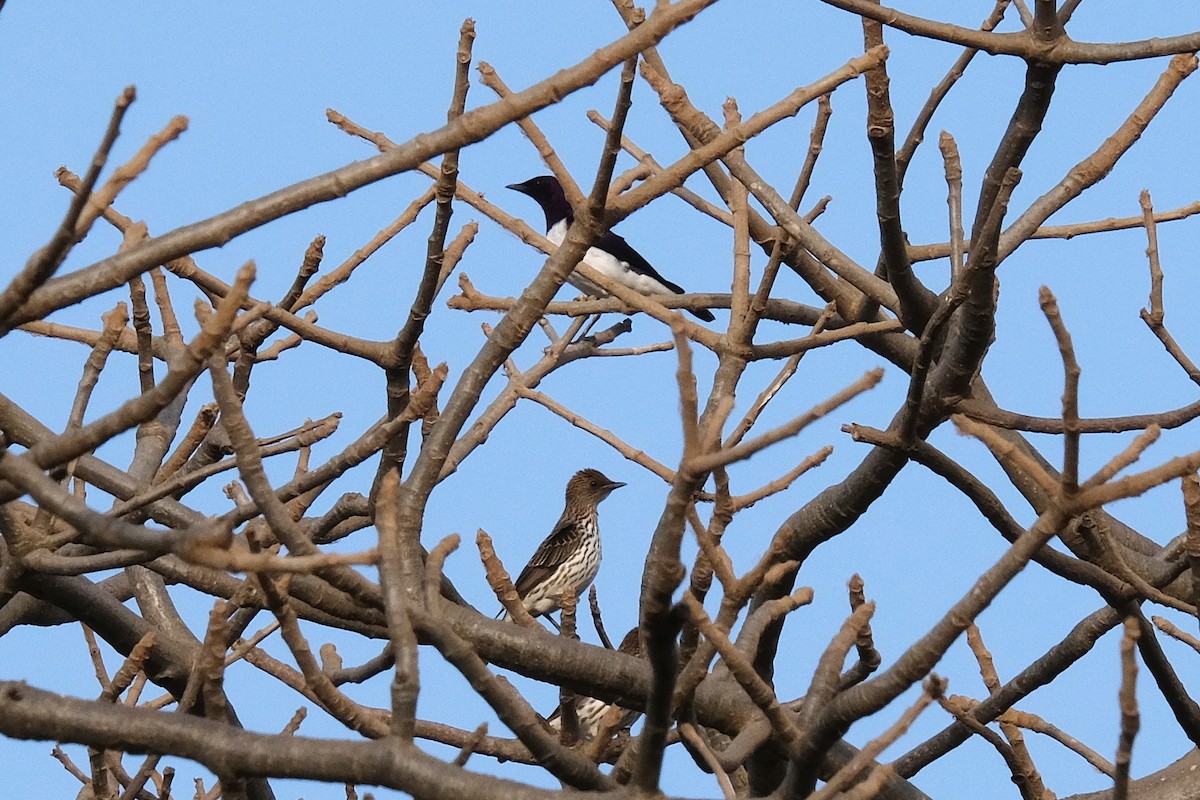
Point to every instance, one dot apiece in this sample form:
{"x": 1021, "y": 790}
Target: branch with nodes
{"x": 741, "y": 449}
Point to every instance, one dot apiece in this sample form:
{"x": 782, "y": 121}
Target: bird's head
{"x": 590, "y": 486}
{"x": 549, "y": 194}
{"x": 631, "y": 645}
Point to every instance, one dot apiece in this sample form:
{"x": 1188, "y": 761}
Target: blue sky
{"x": 255, "y": 81}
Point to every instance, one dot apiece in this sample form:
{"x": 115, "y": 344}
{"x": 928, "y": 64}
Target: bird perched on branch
{"x": 570, "y": 555}
{"x": 611, "y": 255}
{"x": 590, "y": 711}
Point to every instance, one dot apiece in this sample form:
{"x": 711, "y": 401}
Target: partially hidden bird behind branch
{"x": 590, "y": 711}
{"x": 570, "y": 555}
{"x": 611, "y": 255}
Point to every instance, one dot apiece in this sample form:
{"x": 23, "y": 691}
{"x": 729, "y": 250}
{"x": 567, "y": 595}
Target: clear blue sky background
{"x": 255, "y": 81}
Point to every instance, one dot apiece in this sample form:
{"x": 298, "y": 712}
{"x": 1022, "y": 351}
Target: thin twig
{"x": 1070, "y": 396}
{"x": 46, "y": 260}
{"x": 1130, "y": 718}
{"x": 1154, "y": 315}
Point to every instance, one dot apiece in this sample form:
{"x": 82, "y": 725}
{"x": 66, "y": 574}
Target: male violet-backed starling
{"x": 611, "y": 255}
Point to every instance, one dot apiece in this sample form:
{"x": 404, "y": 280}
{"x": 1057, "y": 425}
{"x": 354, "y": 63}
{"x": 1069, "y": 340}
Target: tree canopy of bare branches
{"x": 918, "y": 515}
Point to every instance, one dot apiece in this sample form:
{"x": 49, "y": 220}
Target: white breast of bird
{"x": 607, "y": 265}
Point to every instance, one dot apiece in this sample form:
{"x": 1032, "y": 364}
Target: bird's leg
{"x": 588, "y": 328}
{"x": 551, "y": 620}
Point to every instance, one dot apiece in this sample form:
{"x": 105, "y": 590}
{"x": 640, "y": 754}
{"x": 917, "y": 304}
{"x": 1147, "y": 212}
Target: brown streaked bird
{"x": 570, "y": 555}
{"x": 591, "y": 711}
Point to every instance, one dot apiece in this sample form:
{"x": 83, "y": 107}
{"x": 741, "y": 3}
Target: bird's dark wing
{"x": 617, "y": 246}
{"x": 550, "y": 554}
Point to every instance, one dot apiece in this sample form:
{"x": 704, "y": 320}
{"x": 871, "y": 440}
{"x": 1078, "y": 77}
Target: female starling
{"x": 590, "y": 711}
{"x": 570, "y": 555}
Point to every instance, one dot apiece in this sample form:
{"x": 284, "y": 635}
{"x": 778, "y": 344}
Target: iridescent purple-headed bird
{"x": 611, "y": 255}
